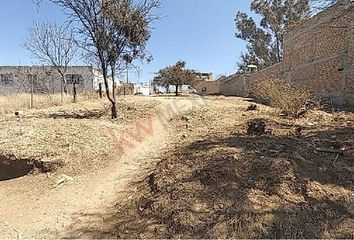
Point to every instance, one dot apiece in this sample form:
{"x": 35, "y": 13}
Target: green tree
{"x": 176, "y": 75}
{"x": 265, "y": 41}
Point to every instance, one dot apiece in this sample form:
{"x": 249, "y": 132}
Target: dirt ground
{"x": 295, "y": 181}
{"x": 195, "y": 171}
{"x": 58, "y": 172}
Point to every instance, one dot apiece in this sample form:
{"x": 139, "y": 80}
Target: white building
{"x": 142, "y": 89}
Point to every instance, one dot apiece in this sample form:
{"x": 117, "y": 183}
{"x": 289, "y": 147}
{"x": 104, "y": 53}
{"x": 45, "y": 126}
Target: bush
{"x": 281, "y": 95}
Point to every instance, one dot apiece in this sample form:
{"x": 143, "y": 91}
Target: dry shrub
{"x": 281, "y": 95}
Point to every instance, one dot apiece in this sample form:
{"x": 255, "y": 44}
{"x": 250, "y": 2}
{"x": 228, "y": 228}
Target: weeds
{"x": 281, "y": 95}
{"x": 15, "y": 102}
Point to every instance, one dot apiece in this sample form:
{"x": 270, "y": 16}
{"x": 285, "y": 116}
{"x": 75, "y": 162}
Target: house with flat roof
{"x": 46, "y": 79}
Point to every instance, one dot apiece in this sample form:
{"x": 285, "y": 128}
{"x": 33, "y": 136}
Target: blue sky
{"x": 201, "y": 32}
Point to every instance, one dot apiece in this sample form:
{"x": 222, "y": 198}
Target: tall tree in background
{"x": 265, "y": 41}
{"x": 176, "y": 75}
{"x": 111, "y": 29}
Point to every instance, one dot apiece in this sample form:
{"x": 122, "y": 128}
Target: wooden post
{"x": 31, "y": 104}
{"x": 62, "y": 91}
{"x": 100, "y": 89}
{"x": 74, "y": 91}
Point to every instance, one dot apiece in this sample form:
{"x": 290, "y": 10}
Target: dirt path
{"x": 54, "y": 210}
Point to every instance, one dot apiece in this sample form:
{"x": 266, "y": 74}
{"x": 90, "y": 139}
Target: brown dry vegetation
{"x": 218, "y": 182}
{"x": 21, "y": 101}
{"x": 281, "y": 95}
{"x": 76, "y": 143}
{"x": 212, "y": 180}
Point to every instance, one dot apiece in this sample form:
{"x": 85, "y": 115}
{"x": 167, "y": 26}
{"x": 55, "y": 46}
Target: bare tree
{"x": 38, "y": 79}
{"x": 53, "y": 45}
{"x": 111, "y": 29}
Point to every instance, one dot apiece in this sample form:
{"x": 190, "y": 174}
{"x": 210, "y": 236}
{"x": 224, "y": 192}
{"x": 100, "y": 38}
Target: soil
{"x": 219, "y": 181}
{"x": 178, "y": 168}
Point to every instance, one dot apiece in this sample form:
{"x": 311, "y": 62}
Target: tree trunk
{"x": 65, "y": 87}
{"x": 113, "y": 98}
{"x": 104, "y": 69}
{"x": 177, "y": 89}
{"x": 114, "y": 110}
{"x": 278, "y": 47}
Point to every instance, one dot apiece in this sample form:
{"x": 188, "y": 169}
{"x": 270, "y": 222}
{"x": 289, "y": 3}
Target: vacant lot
{"x": 72, "y": 135}
{"x": 201, "y": 172}
{"x": 295, "y": 181}
{"x": 81, "y": 151}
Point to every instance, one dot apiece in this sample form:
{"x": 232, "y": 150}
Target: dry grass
{"x": 218, "y": 182}
{"x": 214, "y": 180}
{"x": 16, "y": 102}
{"x": 73, "y": 143}
{"x": 281, "y": 95}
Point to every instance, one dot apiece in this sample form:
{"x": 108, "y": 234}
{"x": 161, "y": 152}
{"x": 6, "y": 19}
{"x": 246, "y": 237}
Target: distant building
{"x": 206, "y": 84}
{"x": 182, "y": 89}
{"x": 45, "y": 79}
{"x": 142, "y": 89}
{"x": 204, "y": 76}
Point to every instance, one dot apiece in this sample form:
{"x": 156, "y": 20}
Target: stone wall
{"x": 318, "y": 55}
{"x": 207, "y": 87}
{"x": 232, "y": 85}
{"x": 240, "y": 84}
